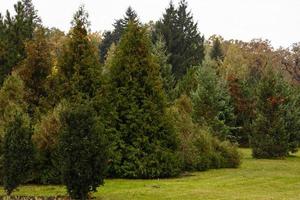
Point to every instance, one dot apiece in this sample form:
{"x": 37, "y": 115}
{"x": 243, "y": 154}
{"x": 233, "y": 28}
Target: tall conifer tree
{"x": 79, "y": 64}
{"x": 35, "y": 69}
{"x": 145, "y": 145}
{"x": 183, "y": 40}
{"x": 18, "y": 29}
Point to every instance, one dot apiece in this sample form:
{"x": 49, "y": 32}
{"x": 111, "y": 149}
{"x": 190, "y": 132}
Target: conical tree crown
{"x": 79, "y": 62}
{"x": 146, "y": 143}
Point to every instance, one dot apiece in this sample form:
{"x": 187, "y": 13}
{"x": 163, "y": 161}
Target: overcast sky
{"x": 276, "y": 20}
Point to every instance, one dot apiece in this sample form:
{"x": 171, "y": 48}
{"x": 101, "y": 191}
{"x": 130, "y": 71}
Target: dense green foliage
{"x": 16, "y": 30}
{"x": 183, "y": 40}
{"x": 34, "y": 71}
{"x": 267, "y": 179}
{"x": 83, "y": 150}
{"x": 146, "y": 143}
{"x": 17, "y": 152}
{"x": 212, "y": 102}
{"x": 143, "y": 101}
{"x": 216, "y": 53}
{"x": 272, "y": 125}
{"x": 78, "y": 64}
{"x": 113, "y": 37}
{"x": 160, "y": 51}
{"x": 199, "y": 149}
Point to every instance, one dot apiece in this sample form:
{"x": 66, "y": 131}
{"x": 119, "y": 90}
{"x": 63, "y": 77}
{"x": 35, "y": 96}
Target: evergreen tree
{"x": 212, "y": 103}
{"x": 79, "y": 64}
{"x": 159, "y": 50}
{"x": 83, "y": 150}
{"x": 113, "y": 37}
{"x": 243, "y": 102}
{"x": 145, "y": 144}
{"x": 183, "y": 40}
{"x": 216, "y": 52}
{"x": 272, "y": 128}
{"x": 17, "y": 152}
{"x": 11, "y": 100}
{"x": 18, "y": 29}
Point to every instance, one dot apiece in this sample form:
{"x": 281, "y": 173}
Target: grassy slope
{"x": 255, "y": 179}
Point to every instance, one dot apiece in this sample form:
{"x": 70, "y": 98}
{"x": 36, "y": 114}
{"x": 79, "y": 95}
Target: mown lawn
{"x": 254, "y": 180}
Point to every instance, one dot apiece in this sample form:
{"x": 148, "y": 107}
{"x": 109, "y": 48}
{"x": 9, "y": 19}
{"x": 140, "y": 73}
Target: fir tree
{"x": 17, "y": 152}
{"x": 113, "y": 37}
{"x": 183, "y": 40}
{"x": 145, "y": 143}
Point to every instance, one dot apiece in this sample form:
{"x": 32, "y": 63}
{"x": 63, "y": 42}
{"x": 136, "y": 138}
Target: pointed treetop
{"x": 80, "y": 19}
{"x": 130, "y": 15}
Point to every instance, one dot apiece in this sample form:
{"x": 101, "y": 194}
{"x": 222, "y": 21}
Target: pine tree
{"x": 183, "y": 40}
{"x": 113, "y": 37}
{"x": 83, "y": 150}
{"x": 17, "y": 152}
{"x": 79, "y": 64}
{"x": 216, "y": 52}
{"x": 145, "y": 143}
{"x": 18, "y": 29}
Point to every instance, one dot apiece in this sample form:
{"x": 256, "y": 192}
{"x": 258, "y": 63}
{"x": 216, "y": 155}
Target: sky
{"x": 276, "y": 20}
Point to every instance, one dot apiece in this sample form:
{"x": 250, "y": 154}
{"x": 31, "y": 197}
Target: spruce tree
{"x": 83, "y": 150}
{"x": 18, "y": 153}
{"x": 145, "y": 144}
{"x": 78, "y": 64}
{"x": 183, "y": 40}
{"x": 113, "y": 37}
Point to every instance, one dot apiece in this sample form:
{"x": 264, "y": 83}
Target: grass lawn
{"x": 254, "y": 180}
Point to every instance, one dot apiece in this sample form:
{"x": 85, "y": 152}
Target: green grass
{"x": 254, "y": 180}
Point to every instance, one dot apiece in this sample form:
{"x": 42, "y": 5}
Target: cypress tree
{"x": 183, "y": 40}
{"x": 145, "y": 144}
{"x": 17, "y": 152}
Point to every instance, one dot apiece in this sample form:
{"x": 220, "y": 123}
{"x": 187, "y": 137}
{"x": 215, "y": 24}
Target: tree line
{"x": 140, "y": 101}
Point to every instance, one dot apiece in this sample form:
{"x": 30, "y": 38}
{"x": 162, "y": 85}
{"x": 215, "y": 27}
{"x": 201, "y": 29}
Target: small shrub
{"x": 199, "y": 149}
